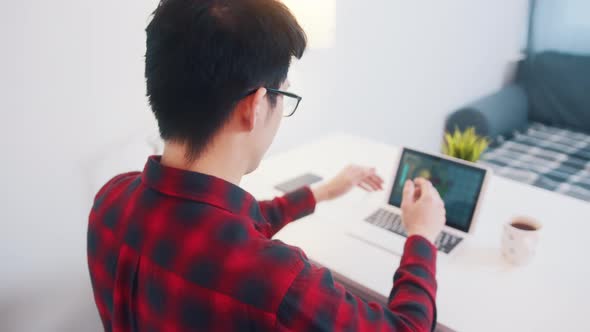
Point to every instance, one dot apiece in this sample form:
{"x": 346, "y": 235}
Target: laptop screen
{"x": 459, "y": 185}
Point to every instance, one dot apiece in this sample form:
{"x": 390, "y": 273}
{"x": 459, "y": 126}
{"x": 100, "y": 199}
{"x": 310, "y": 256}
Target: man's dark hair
{"x": 203, "y": 56}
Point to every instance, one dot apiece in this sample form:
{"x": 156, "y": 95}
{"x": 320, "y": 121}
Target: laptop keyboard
{"x": 392, "y": 222}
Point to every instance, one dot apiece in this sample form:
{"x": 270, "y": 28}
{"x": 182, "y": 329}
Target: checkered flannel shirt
{"x": 173, "y": 250}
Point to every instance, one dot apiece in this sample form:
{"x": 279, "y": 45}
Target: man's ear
{"x": 249, "y": 109}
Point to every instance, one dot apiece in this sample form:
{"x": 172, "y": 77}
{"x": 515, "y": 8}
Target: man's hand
{"x": 423, "y": 211}
{"x": 348, "y": 178}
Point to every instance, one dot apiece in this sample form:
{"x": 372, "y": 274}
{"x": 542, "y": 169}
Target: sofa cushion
{"x": 546, "y": 157}
{"x": 558, "y": 87}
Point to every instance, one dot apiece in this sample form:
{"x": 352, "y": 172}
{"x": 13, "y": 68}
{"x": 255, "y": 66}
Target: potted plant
{"x": 466, "y": 145}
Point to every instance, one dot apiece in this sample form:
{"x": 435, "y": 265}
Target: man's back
{"x": 175, "y": 256}
{"x": 173, "y": 250}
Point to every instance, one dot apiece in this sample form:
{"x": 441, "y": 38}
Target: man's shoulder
{"x": 110, "y": 201}
{"x": 119, "y": 181}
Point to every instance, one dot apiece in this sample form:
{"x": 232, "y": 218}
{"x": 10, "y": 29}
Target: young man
{"x": 181, "y": 247}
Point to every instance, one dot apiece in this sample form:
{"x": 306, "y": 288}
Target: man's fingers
{"x": 366, "y": 184}
{"x": 365, "y": 187}
{"x": 428, "y": 191}
{"x": 424, "y": 186}
{"x": 364, "y": 177}
{"x": 374, "y": 182}
{"x": 375, "y": 177}
{"x": 408, "y": 194}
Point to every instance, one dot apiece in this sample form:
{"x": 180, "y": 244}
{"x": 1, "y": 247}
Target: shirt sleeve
{"x": 282, "y": 210}
{"x": 315, "y": 302}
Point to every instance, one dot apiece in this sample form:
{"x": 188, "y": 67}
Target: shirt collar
{"x": 201, "y": 188}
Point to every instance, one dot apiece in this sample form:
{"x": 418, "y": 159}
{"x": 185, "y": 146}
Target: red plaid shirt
{"x": 173, "y": 250}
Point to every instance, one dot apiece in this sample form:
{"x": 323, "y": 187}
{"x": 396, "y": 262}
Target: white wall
{"x": 73, "y": 89}
{"x": 399, "y": 67}
{"x": 73, "y": 86}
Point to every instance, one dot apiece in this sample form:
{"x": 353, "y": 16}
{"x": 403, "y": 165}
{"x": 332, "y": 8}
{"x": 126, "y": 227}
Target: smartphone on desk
{"x": 299, "y": 182}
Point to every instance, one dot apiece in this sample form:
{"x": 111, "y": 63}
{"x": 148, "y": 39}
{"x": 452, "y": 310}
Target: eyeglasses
{"x": 291, "y": 101}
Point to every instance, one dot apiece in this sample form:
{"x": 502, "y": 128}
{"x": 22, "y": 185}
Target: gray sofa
{"x": 539, "y": 125}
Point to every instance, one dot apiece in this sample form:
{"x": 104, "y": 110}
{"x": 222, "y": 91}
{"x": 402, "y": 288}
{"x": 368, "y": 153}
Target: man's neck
{"x": 219, "y": 160}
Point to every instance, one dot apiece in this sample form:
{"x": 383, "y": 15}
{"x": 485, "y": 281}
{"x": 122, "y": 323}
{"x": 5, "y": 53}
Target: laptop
{"x": 461, "y": 185}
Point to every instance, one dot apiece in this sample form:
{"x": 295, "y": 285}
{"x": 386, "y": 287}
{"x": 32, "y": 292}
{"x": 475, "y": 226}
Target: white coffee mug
{"x": 520, "y": 239}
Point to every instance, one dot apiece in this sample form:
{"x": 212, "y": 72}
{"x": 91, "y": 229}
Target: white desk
{"x": 477, "y": 290}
